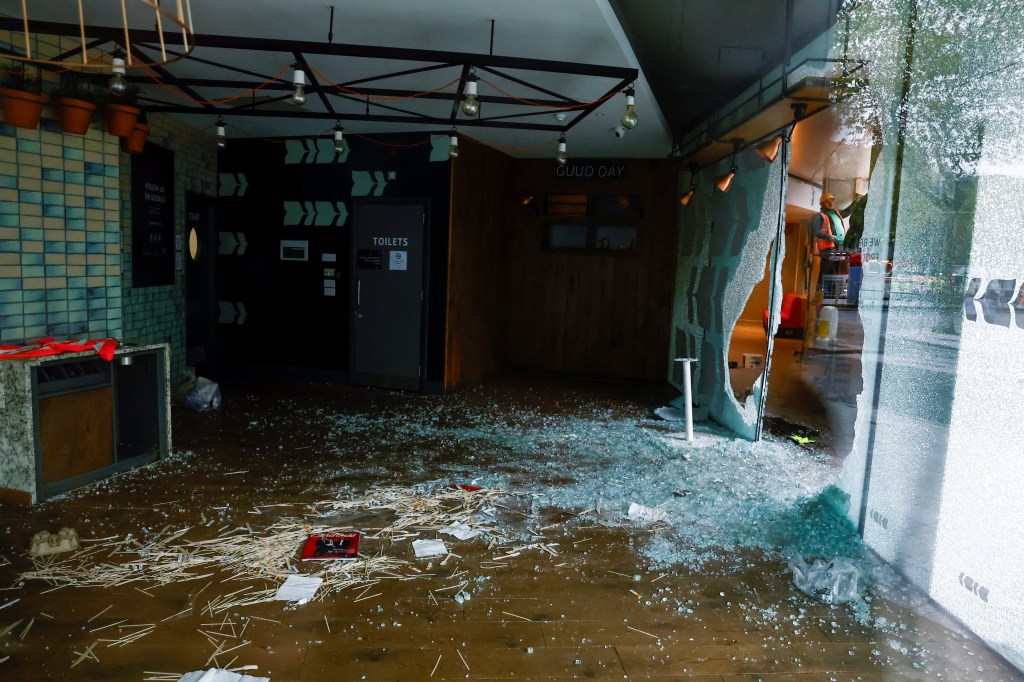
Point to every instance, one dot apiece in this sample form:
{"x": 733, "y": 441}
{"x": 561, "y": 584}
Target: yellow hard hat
{"x": 825, "y": 197}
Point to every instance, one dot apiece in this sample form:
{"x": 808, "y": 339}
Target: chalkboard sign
{"x": 153, "y": 217}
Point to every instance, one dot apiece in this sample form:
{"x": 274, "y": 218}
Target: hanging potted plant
{"x": 135, "y": 142}
{"x": 22, "y": 103}
{"x": 121, "y": 112}
{"x": 74, "y": 103}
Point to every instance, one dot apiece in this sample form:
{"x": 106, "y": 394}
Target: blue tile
{"x": 32, "y": 234}
{"x": 94, "y": 271}
{"x": 93, "y": 202}
{"x": 34, "y": 295}
{"x": 97, "y": 314}
{"x": 54, "y": 174}
{"x": 77, "y": 306}
{"x": 95, "y": 247}
{"x": 57, "y": 307}
{"x": 98, "y": 304}
{"x": 75, "y": 212}
{"x": 29, "y": 197}
{"x": 11, "y": 297}
{"x": 92, "y": 167}
{"x": 74, "y": 153}
{"x": 113, "y": 281}
{"x": 57, "y": 294}
{"x": 10, "y": 246}
{"x": 8, "y": 309}
{"x": 76, "y": 247}
{"x": 35, "y": 319}
{"x": 53, "y": 198}
{"x": 94, "y": 237}
{"x": 29, "y": 146}
{"x": 50, "y": 211}
{"x": 32, "y": 271}
{"x": 94, "y": 180}
{"x": 111, "y": 171}
{"x": 8, "y": 130}
{"x": 76, "y": 294}
{"x": 56, "y": 270}
{"x": 59, "y": 330}
{"x": 78, "y": 316}
{"x": 9, "y": 207}
{"x": 9, "y": 220}
{"x": 36, "y": 332}
{"x": 8, "y": 181}
{"x": 7, "y": 321}
{"x": 55, "y": 247}
{"x": 32, "y": 259}
{"x": 76, "y": 283}
{"x": 113, "y": 237}
{"x": 74, "y": 177}
{"x": 34, "y": 308}
{"x": 74, "y": 224}
{"x": 111, "y": 193}
{"x": 112, "y": 226}
{"x": 10, "y": 283}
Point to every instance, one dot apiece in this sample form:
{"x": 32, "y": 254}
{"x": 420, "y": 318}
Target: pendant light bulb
{"x": 299, "y": 80}
{"x": 769, "y": 149}
{"x": 724, "y": 182}
{"x": 117, "y": 83}
{"x": 560, "y": 155}
{"x": 339, "y": 140}
{"x": 453, "y": 146}
{"x": 629, "y": 118}
{"x": 687, "y": 198}
{"x": 470, "y": 104}
{"x": 222, "y": 138}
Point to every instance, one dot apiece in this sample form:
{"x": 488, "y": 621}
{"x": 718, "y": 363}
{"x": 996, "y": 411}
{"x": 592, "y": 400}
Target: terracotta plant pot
{"x": 120, "y": 119}
{"x": 74, "y": 115}
{"x": 136, "y": 142}
{"x": 22, "y": 109}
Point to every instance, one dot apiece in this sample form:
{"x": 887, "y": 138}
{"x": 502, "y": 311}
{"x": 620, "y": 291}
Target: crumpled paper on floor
{"x": 460, "y": 531}
{"x": 219, "y": 675}
{"x": 300, "y": 588}
{"x": 638, "y": 513}
{"x": 428, "y": 548}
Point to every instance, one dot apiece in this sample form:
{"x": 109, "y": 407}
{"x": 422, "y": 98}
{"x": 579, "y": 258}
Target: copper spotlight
{"x": 685, "y": 199}
{"x": 527, "y": 200}
{"x": 769, "y": 149}
{"x": 724, "y": 182}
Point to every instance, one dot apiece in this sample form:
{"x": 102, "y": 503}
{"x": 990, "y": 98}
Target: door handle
{"x": 359, "y": 291}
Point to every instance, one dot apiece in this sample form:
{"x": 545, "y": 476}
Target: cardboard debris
{"x": 219, "y": 675}
{"x": 638, "y": 513}
{"x": 300, "y": 588}
{"x": 45, "y": 542}
{"x": 428, "y": 548}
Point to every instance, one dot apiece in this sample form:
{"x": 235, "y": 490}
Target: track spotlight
{"x": 222, "y": 138}
{"x": 470, "y": 104}
{"x": 769, "y": 149}
{"x": 629, "y": 118}
{"x": 117, "y": 83}
{"x": 339, "y": 140}
{"x": 299, "y": 80}
{"x": 453, "y": 146}
{"x": 685, "y": 199}
{"x": 560, "y": 155}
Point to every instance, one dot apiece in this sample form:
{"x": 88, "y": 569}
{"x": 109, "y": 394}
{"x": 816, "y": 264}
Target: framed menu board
{"x": 153, "y": 217}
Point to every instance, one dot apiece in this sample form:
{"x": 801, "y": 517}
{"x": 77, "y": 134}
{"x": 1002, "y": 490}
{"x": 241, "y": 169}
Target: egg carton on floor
{"x": 45, "y": 542}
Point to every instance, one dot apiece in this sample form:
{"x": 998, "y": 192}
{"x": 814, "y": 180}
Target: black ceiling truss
{"x": 303, "y": 51}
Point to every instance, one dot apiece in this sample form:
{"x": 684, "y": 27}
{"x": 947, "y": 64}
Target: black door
{"x": 200, "y": 303}
{"x": 388, "y": 256}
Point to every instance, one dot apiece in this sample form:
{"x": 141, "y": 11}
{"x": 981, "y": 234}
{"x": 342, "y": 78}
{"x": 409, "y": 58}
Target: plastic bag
{"x": 830, "y": 582}
{"x": 205, "y": 395}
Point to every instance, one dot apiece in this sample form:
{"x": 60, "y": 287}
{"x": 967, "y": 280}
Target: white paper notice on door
{"x": 398, "y": 260}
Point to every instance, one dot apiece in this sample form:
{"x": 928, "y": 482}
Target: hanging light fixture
{"x": 453, "y": 145}
{"x": 339, "y": 139}
{"x": 560, "y": 155}
{"x": 724, "y": 182}
{"x": 222, "y": 138}
{"x": 769, "y": 149}
{"x": 686, "y": 198}
{"x": 470, "y": 104}
{"x": 117, "y": 83}
{"x": 299, "y": 81}
{"x": 629, "y": 118}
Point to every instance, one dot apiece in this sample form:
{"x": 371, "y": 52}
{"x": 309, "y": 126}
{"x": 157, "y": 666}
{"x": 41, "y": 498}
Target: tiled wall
{"x": 60, "y": 257}
{"x": 157, "y": 314}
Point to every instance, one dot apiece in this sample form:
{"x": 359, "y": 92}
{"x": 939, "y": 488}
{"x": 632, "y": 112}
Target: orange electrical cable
{"x": 216, "y": 101}
{"x": 380, "y": 98}
{"x": 550, "y": 106}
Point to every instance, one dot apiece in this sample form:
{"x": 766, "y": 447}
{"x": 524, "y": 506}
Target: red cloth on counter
{"x": 42, "y": 348}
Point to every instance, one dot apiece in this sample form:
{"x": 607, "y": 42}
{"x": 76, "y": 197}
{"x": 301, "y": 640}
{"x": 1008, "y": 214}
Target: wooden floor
{"x": 593, "y": 611}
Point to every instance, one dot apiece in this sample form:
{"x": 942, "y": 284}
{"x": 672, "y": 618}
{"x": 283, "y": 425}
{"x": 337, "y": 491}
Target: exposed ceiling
{"x": 696, "y": 54}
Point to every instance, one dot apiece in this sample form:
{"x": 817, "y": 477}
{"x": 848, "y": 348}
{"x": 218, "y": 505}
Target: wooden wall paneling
{"x": 480, "y": 203}
{"x": 594, "y": 314}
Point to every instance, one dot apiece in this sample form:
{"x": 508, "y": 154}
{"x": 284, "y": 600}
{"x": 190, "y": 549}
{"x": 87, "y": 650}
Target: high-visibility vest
{"x": 826, "y": 225}
{"x": 42, "y": 348}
